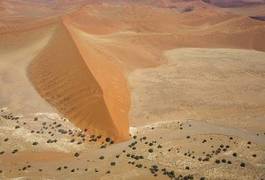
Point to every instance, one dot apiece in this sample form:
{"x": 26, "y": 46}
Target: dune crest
{"x": 62, "y": 77}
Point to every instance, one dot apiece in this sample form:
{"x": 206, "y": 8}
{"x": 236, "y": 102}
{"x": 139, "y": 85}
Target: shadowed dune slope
{"x": 62, "y": 77}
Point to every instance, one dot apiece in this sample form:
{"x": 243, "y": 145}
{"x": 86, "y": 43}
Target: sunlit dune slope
{"x": 62, "y": 77}
{"x": 136, "y": 36}
{"x": 109, "y": 75}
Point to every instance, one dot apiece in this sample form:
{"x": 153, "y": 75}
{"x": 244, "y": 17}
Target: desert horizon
{"x": 132, "y": 89}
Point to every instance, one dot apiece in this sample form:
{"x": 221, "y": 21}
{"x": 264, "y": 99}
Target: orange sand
{"x": 62, "y": 77}
{"x": 82, "y": 71}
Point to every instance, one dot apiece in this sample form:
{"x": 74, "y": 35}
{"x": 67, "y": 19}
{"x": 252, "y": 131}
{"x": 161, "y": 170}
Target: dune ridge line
{"x": 62, "y": 77}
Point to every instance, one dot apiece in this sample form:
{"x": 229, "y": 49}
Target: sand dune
{"x": 128, "y": 44}
{"x": 62, "y": 77}
{"x": 114, "y": 87}
{"x": 181, "y": 81}
{"x": 109, "y": 39}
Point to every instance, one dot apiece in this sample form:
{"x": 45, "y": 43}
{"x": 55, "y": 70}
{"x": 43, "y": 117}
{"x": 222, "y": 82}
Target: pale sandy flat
{"x": 202, "y": 84}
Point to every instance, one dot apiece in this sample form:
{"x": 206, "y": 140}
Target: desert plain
{"x": 150, "y": 89}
